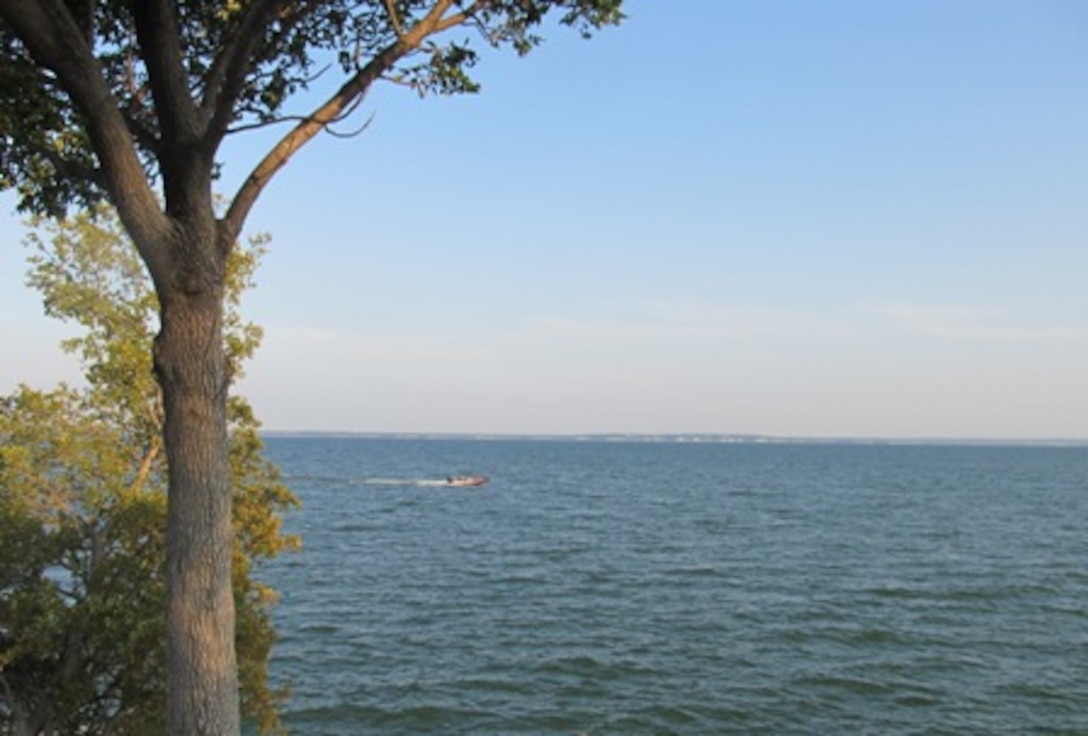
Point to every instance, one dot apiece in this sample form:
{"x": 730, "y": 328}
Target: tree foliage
{"x": 83, "y": 506}
{"x": 178, "y": 72}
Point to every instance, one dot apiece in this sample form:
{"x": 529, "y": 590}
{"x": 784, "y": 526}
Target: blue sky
{"x": 815, "y": 218}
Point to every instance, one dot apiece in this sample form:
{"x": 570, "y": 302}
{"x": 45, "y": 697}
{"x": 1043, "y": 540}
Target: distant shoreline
{"x": 683, "y": 438}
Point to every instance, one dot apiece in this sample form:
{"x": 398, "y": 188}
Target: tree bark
{"x": 202, "y": 675}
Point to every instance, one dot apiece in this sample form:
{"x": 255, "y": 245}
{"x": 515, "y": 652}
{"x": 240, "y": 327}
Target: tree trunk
{"x": 202, "y": 675}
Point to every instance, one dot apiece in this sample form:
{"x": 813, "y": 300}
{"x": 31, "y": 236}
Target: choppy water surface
{"x": 612, "y": 588}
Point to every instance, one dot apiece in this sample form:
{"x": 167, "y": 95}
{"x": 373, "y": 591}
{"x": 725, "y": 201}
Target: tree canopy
{"x": 83, "y": 506}
{"x": 173, "y": 79}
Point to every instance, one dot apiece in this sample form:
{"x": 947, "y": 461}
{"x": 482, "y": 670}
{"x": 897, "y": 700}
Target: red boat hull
{"x": 466, "y": 481}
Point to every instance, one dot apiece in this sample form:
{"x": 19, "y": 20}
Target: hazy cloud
{"x": 978, "y": 322}
{"x": 653, "y": 320}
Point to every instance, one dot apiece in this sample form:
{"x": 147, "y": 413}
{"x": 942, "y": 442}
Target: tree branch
{"x": 330, "y": 111}
{"x": 144, "y": 470}
{"x": 394, "y": 20}
{"x": 160, "y": 47}
{"x": 55, "y": 42}
{"x": 431, "y": 21}
{"x": 296, "y": 119}
{"x": 147, "y": 461}
{"x": 458, "y": 18}
{"x": 227, "y": 76}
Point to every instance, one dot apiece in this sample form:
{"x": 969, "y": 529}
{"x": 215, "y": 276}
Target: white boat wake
{"x": 453, "y": 481}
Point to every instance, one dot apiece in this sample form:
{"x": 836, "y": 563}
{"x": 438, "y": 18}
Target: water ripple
{"x": 619, "y": 589}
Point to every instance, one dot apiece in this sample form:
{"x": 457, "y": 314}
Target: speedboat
{"x": 462, "y": 481}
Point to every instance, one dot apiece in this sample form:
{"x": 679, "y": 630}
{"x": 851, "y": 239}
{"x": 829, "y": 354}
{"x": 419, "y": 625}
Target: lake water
{"x": 650, "y": 588}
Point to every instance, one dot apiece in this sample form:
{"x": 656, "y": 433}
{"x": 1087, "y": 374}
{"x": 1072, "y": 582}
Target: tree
{"x": 83, "y": 506}
{"x": 109, "y": 99}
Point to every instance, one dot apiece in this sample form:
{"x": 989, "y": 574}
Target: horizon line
{"x": 683, "y": 437}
